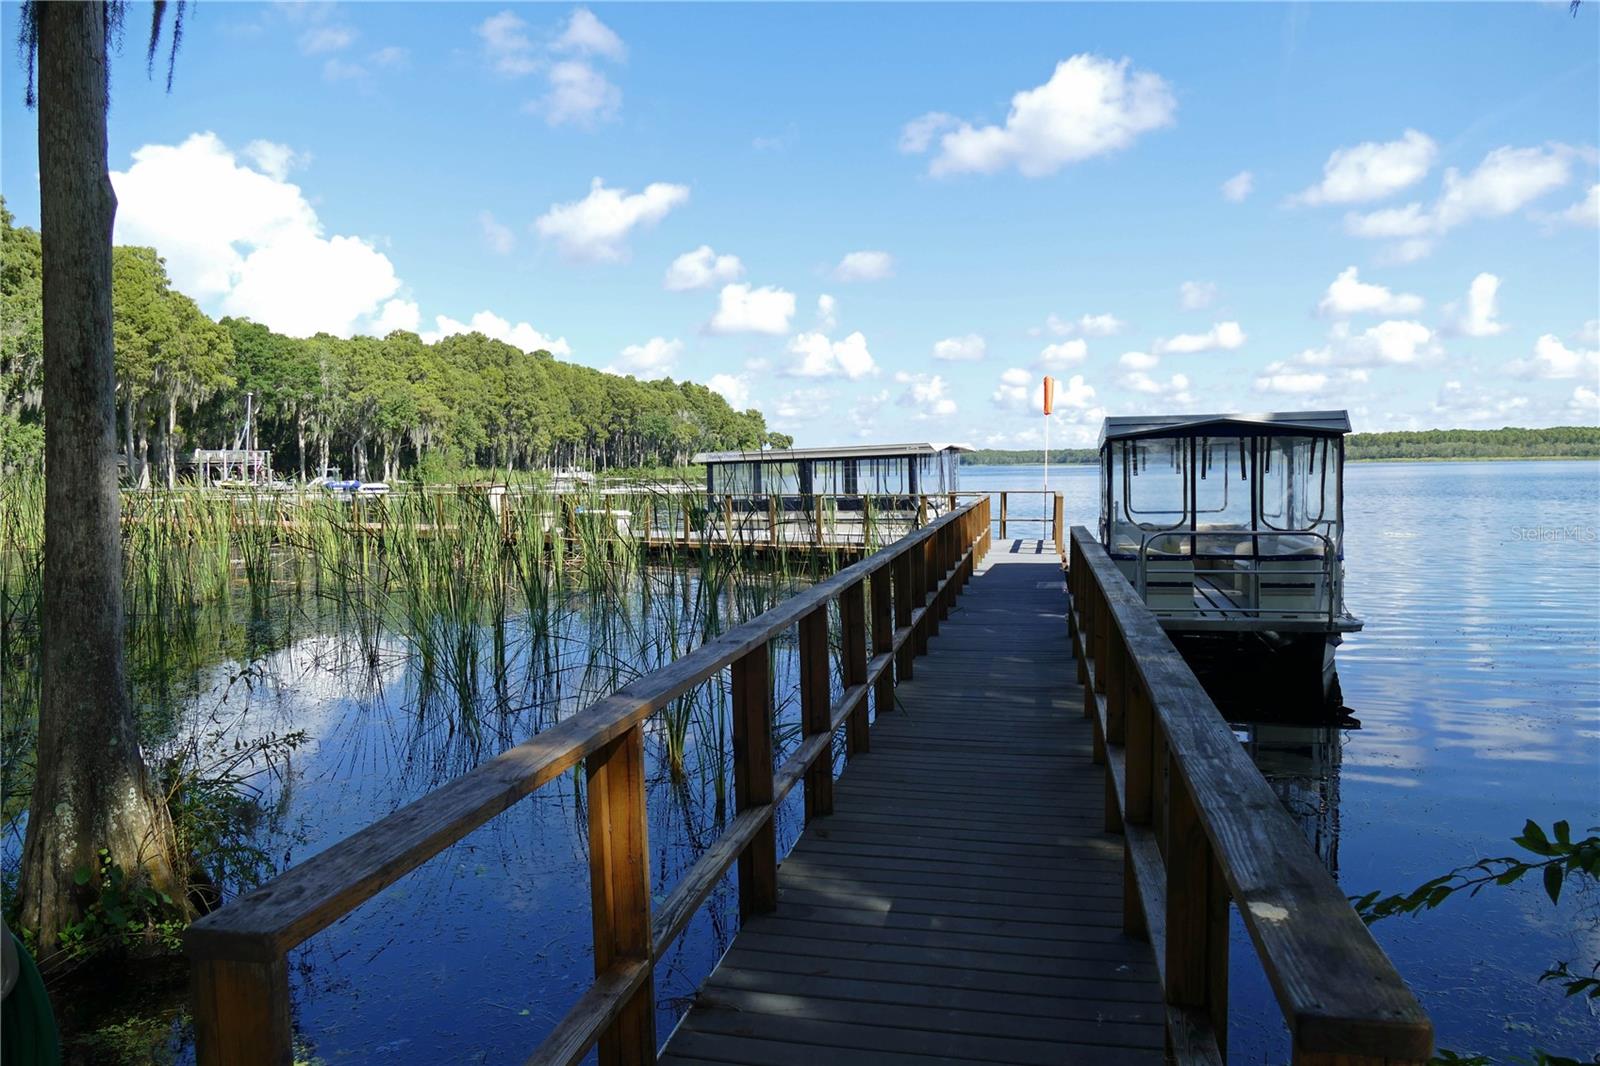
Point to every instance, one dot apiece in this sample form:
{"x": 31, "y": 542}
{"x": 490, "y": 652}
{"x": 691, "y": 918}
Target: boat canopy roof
{"x": 1264, "y": 423}
{"x": 846, "y": 451}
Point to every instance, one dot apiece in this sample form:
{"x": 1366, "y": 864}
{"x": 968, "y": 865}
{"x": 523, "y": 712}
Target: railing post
{"x": 922, "y": 511}
{"x": 752, "y": 778}
{"x": 1056, "y": 524}
{"x": 1197, "y": 916}
{"x": 882, "y": 639}
{"x": 727, "y": 519}
{"x": 772, "y": 520}
{"x": 903, "y": 583}
{"x": 619, "y": 889}
{"x": 241, "y": 1013}
{"x": 816, "y": 710}
{"x": 1002, "y": 516}
{"x": 820, "y": 533}
{"x": 688, "y": 520}
{"x": 853, "y": 643}
{"x": 930, "y": 589}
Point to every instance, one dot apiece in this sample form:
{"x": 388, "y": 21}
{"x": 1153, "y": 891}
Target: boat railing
{"x": 1202, "y": 830}
{"x": 1322, "y": 566}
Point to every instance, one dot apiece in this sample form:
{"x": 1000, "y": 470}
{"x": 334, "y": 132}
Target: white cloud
{"x": 734, "y": 389}
{"x": 521, "y": 335}
{"x": 1104, "y": 325}
{"x": 587, "y": 35}
{"x": 864, "y": 266}
{"x": 596, "y": 228}
{"x": 1021, "y": 390}
{"x": 1138, "y": 360}
{"x": 1394, "y": 342}
{"x": 1507, "y": 180}
{"x": 275, "y": 160}
{"x": 1372, "y": 170}
{"x": 1197, "y": 295}
{"x": 655, "y": 358}
{"x": 969, "y": 348}
{"x": 1222, "y": 337}
{"x": 1459, "y": 404}
{"x": 1278, "y": 378}
{"x": 1062, "y": 354}
{"x": 827, "y": 313}
{"x": 245, "y": 243}
{"x": 1238, "y": 188}
{"x": 321, "y": 39}
{"x": 579, "y": 95}
{"x": 815, "y": 356}
{"x": 390, "y": 56}
{"x": 506, "y": 43}
{"x": 1554, "y": 360}
{"x": 396, "y": 314}
{"x": 1589, "y": 334}
{"x": 700, "y": 269}
{"x": 802, "y": 405}
{"x": 1586, "y": 212}
{"x": 1479, "y": 318}
{"x": 1175, "y": 389}
{"x": 498, "y": 235}
{"x": 1089, "y": 107}
{"x": 1349, "y": 295}
{"x": 1584, "y": 405}
{"x": 742, "y": 309}
{"x": 930, "y": 396}
{"x": 920, "y": 131}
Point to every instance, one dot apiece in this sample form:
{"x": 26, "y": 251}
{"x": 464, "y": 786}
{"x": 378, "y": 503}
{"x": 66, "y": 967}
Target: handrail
{"x": 1201, "y": 829}
{"x": 238, "y": 952}
{"x": 1328, "y": 569}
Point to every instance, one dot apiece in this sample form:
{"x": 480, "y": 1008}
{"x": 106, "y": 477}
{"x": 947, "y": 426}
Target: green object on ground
{"x": 27, "y": 1025}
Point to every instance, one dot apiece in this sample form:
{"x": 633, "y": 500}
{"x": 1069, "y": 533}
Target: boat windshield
{"x": 1279, "y": 493}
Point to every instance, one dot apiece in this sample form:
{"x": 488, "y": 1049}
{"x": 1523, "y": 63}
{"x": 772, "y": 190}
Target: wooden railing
{"x": 1202, "y": 829}
{"x": 238, "y": 953}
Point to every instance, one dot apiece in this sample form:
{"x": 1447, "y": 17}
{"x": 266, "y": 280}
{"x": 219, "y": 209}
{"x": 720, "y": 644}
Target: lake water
{"x": 1475, "y": 682}
{"x": 1477, "y": 685}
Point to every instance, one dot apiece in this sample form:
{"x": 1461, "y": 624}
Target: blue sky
{"x": 912, "y": 212}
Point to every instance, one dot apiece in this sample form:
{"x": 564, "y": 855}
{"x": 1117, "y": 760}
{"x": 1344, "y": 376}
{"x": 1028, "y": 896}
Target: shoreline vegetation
{"x": 1556, "y": 442}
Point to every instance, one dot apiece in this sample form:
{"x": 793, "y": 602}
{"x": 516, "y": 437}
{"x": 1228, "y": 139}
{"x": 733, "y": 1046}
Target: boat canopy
{"x": 851, "y": 469}
{"x": 1263, "y": 424}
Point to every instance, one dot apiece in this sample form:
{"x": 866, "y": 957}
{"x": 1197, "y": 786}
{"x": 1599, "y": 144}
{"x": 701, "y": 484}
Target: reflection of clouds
{"x": 1347, "y": 775}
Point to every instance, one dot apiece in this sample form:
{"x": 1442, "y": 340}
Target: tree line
{"x": 374, "y": 407}
{"x": 1564, "y": 442}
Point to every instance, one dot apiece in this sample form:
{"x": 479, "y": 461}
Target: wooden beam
{"x": 853, "y": 644}
{"x": 619, "y": 891}
{"x": 752, "y": 778}
{"x": 815, "y": 711}
{"x": 882, "y": 640}
{"x": 241, "y": 1013}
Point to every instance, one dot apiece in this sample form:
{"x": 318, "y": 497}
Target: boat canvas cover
{"x": 1276, "y": 423}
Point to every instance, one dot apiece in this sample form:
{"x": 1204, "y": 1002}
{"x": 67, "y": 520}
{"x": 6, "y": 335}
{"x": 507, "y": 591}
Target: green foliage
{"x": 121, "y": 909}
{"x": 1555, "y": 856}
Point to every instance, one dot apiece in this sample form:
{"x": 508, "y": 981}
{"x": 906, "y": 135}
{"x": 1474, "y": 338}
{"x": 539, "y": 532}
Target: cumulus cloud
{"x": 655, "y": 358}
{"x": 1090, "y": 106}
{"x": 864, "y": 266}
{"x": 1586, "y": 212}
{"x": 734, "y": 389}
{"x": 969, "y": 348}
{"x": 816, "y": 356}
{"x": 585, "y": 34}
{"x": 396, "y": 314}
{"x": 1062, "y": 354}
{"x": 700, "y": 269}
{"x": 507, "y": 45}
{"x": 1021, "y": 390}
{"x": 579, "y": 95}
{"x": 1479, "y": 317}
{"x": 520, "y": 335}
{"x": 1394, "y": 342}
{"x": 1103, "y": 325}
{"x": 246, "y": 243}
{"x": 1554, "y": 360}
{"x": 742, "y": 309}
{"x": 1138, "y": 360}
{"x": 578, "y": 92}
{"x": 1222, "y": 337}
{"x": 1197, "y": 295}
{"x": 326, "y": 38}
{"x": 1507, "y": 180}
{"x": 827, "y": 313}
{"x": 496, "y": 234}
{"x": 1349, "y": 295}
{"x": 596, "y": 227}
{"x": 1462, "y": 404}
{"x": 1584, "y": 406}
{"x": 1237, "y": 189}
{"x": 1174, "y": 390}
{"x": 1372, "y": 170}
{"x": 928, "y": 395}
{"x": 1279, "y": 378}
{"x": 275, "y": 160}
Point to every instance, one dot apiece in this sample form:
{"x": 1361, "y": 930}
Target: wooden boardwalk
{"x": 963, "y": 903}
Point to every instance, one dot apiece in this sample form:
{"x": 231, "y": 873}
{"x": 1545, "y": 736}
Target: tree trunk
{"x": 90, "y": 789}
{"x": 169, "y": 440}
{"x": 127, "y": 435}
{"x": 300, "y": 441}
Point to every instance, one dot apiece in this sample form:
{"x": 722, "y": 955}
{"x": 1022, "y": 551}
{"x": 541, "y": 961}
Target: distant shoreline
{"x": 1368, "y": 459}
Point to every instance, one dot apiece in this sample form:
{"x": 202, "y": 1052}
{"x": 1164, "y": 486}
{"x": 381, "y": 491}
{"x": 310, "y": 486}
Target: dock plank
{"x": 963, "y": 902}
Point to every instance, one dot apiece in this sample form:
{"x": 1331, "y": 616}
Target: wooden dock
{"x": 963, "y": 902}
{"x": 1031, "y": 857}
